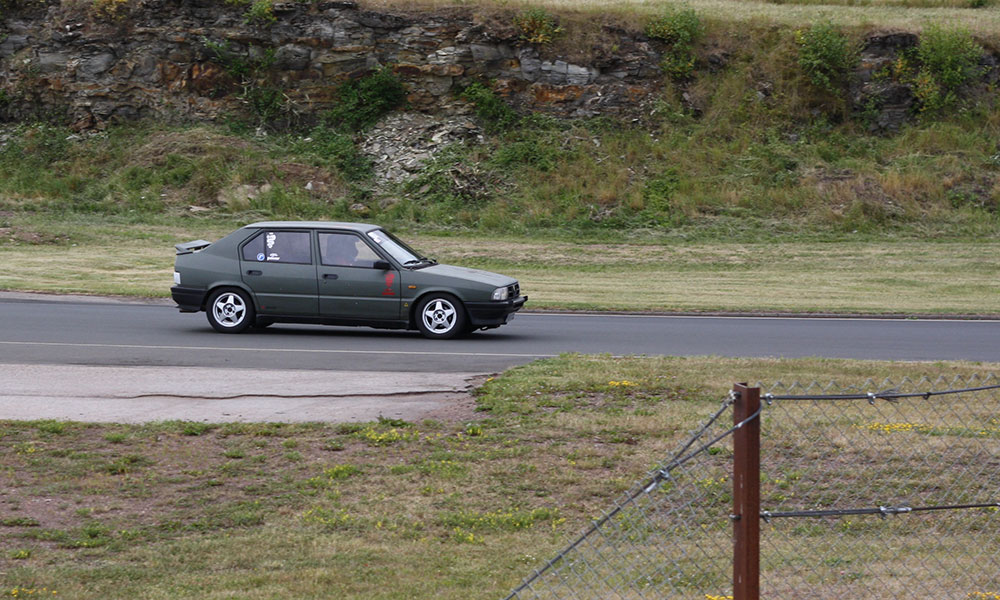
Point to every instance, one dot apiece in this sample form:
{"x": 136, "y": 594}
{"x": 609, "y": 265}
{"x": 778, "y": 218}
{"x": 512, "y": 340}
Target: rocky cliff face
{"x": 197, "y": 59}
{"x": 169, "y": 58}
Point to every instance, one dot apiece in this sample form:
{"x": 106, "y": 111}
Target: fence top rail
{"x": 889, "y": 395}
{"x": 767, "y": 515}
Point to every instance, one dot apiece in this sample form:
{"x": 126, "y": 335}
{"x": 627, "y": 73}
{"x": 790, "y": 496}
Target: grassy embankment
{"x": 723, "y": 201}
{"x": 387, "y": 509}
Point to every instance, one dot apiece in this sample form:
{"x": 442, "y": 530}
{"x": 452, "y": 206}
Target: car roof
{"x": 360, "y": 227}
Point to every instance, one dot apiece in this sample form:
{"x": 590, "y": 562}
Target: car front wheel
{"x": 230, "y": 311}
{"x": 441, "y": 316}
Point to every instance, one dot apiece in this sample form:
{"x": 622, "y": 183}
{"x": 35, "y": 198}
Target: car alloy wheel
{"x": 440, "y": 317}
{"x": 230, "y": 311}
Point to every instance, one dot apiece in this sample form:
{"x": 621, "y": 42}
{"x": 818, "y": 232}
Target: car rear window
{"x": 279, "y": 246}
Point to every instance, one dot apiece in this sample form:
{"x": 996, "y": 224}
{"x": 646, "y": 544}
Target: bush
{"x": 950, "y": 56}
{"x": 679, "y": 28}
{"x": 826, "y": 55}
{"x": 261, "y": 12}
{"x": 363, "y": 101}
{"x": 944, "y": 61}
{"x": 493, "y": 113}
{"x": 537, "y": 26}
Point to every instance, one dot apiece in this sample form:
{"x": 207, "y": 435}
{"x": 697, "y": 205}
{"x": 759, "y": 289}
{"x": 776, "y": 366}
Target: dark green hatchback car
{"x": 335, "y": 274}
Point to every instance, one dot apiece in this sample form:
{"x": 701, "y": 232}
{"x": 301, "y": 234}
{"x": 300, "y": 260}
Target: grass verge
{"x": 386, "y": 509}
{"x": 873, "y": 276}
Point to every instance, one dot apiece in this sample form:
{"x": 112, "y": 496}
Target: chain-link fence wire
{"x": 669, "y": 536}
{"x": 877, "y": 497}
{"x": 891, "y": 495}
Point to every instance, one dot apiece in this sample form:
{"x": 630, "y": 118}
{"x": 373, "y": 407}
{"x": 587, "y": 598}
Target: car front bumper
{"x": 493, "y": 314}
{"x": 187, "y": 299}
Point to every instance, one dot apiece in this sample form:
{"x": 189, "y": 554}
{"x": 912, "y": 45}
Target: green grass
{"x": 870, "y": 276}
{"x": 457, "y": 509}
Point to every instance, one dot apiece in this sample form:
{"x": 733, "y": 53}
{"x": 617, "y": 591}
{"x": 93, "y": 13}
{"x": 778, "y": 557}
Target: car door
{"x": 278, "y": 266}
{"x": 350, "y": 285}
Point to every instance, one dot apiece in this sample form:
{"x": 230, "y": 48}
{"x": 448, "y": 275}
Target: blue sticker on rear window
{"x": 260, "y": 256}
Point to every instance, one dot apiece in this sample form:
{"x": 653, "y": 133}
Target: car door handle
{"x": 329, "y": 275}
{"x": 253, "y": 272}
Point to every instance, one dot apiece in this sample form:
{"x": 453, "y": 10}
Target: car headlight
{"x": 177, "y": 278}
{"x": 500, "y": 293}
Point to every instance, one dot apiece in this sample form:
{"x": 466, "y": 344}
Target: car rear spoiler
{"x": 189, "y": 247}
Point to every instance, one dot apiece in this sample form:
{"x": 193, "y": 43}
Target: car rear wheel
{"x": 441, "y": 316}
{"x": 230, "y": 311}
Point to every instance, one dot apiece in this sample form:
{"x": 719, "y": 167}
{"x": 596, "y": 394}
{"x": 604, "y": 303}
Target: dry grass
{"x": 870, "y": 277}
{"x": 861, "y": 277}
{"x": 903, "y": 14}
{"x": 446, "y": 510}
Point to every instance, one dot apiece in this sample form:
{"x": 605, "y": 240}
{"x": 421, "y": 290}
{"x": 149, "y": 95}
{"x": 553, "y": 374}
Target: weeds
{"x": 51, "y": 427}
{"x": 195, "y": 428}
{"x": 494, "y": 114}
{"x": 325, "y": 145}
{"x": 826, "y": 55}
{"x": 258, "y": 12}
{"x": 679, "y": 29}
{"x": 251, "y": 72}
{"x": 948, "y": 59}
{"x": 127, "y": 464}
{"x": 363, "y": 101}
{"x": 537, "y": 26}
{"x": 111, "y": 10}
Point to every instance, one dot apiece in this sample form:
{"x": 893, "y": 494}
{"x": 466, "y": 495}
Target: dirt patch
{"x": 320, "y": 183}
{"x": 16, "y": 236}
{"x": 191, "y": 142}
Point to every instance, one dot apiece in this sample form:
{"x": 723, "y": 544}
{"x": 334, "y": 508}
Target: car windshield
{"x": 403, "y": 254}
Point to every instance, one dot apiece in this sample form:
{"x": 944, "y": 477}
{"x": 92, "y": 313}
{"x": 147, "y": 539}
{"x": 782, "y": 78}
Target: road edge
{"x": 15, "y": 296}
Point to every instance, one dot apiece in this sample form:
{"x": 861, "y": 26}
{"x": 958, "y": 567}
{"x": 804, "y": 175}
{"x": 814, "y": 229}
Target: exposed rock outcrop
{"x": 169, "y": 58}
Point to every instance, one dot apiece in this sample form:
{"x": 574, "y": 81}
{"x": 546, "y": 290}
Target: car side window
{"x": 345, "y": 250}
{"x": 279, "y": 246}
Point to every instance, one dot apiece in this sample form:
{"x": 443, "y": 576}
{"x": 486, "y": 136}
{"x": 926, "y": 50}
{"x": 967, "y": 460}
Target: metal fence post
{"x": 746, "y": 493}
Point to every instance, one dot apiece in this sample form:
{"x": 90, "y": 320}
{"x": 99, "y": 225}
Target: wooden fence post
{"x": 746, "y": 494}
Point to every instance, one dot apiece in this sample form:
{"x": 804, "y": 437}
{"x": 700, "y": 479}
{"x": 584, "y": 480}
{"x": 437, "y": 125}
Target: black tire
{"x": 230, "y": 310}
{"x": 440, "y": 316}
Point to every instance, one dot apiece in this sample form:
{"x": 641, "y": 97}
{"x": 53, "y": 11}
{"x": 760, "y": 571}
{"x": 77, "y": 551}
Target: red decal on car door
{"x": 389, "y": 278}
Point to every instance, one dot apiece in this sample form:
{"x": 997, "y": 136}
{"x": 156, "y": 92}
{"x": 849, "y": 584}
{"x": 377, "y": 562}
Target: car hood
{"x": 486, "y": 277}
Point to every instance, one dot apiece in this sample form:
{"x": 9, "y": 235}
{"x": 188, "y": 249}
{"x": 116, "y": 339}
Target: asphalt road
{"x": 95, "y": 333}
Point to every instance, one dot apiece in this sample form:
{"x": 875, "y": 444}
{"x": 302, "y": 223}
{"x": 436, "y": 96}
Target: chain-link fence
{"x": 874, "y": 491}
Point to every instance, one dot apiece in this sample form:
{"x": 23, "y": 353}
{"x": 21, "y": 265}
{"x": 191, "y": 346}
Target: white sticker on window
{"x": 270, "y": 240}
{"x": 273, "y": 256}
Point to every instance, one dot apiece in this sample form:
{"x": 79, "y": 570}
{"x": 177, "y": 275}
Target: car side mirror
{"x": 382, "y": 265}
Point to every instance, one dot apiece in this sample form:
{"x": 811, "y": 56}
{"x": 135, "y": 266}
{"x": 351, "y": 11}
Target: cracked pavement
{"x": 123, "y": 394}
